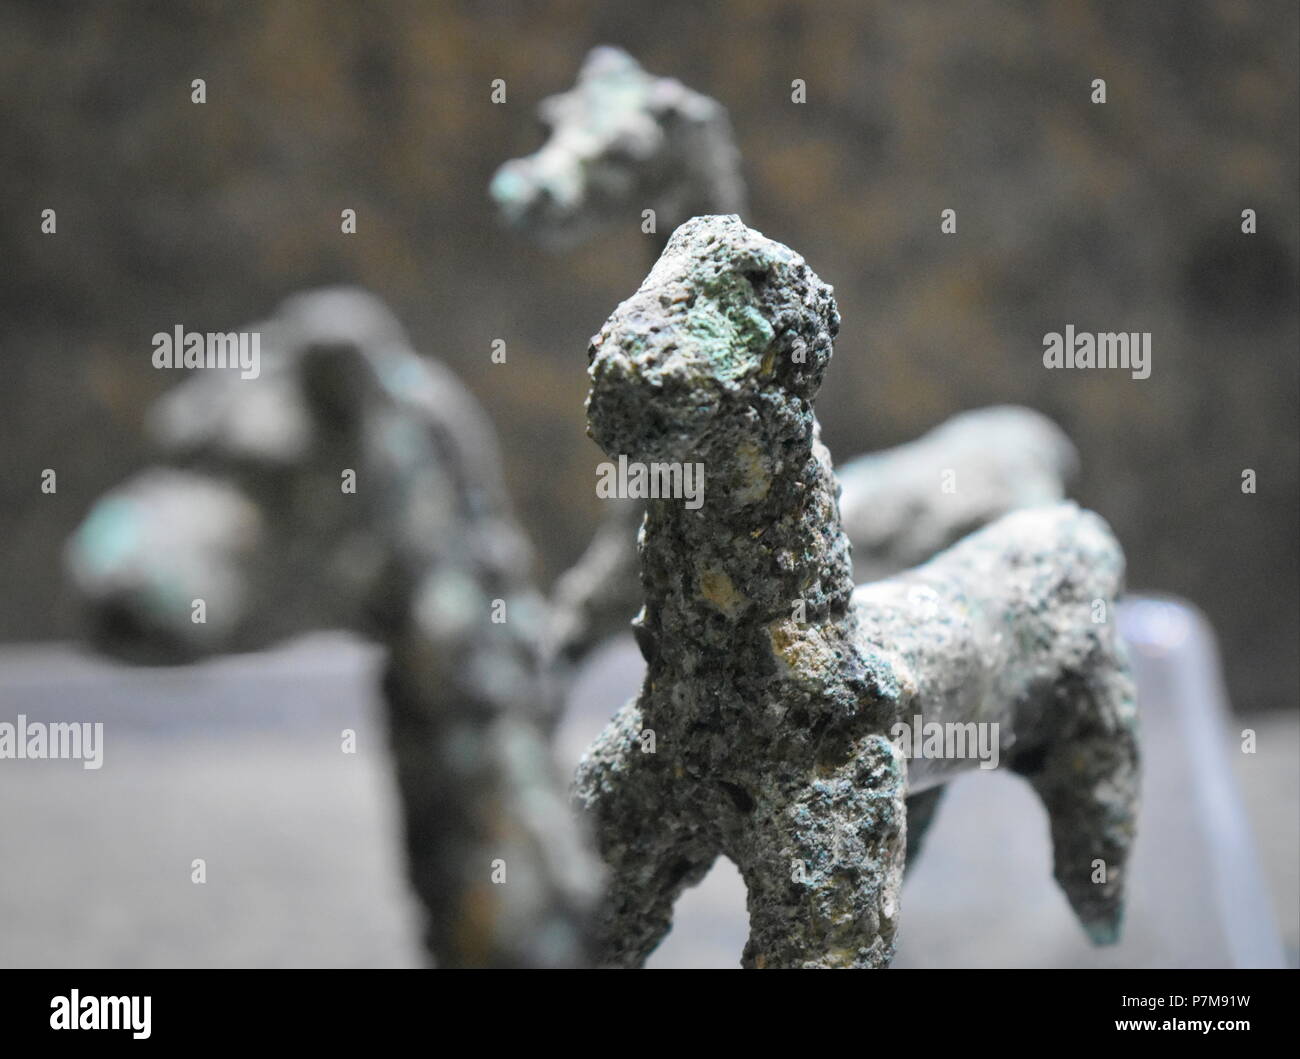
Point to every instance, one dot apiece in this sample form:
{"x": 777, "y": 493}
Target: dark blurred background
{"x": 1124, "y": 216}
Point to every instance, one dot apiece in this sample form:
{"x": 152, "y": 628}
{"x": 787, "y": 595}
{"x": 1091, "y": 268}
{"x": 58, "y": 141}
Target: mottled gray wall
{"x": 1117, "y": 217}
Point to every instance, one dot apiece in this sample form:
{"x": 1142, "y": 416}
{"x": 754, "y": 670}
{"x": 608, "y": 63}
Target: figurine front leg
{"x": 824, "y": 870}
{"x": 651, "y": 846}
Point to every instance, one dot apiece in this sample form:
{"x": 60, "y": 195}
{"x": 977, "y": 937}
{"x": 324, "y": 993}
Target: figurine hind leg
{"x": 1087, "y": 778}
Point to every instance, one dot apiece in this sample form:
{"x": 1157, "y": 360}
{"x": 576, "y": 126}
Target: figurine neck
{"x": 765, "y": 545}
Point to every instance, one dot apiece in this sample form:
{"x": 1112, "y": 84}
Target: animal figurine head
{"x": 713, "y": 349}
{"x": 621, "y": 141}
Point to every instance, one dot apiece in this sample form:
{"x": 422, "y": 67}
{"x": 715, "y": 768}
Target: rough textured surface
{"x": 771, "y": 685}
{"x": 894, "y": 505}
{"x": 248, "y": 513}
{"x": 622, "y": 141}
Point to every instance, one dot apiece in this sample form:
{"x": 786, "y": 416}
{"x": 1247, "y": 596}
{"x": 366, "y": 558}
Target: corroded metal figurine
{"x": 763, "y": 728}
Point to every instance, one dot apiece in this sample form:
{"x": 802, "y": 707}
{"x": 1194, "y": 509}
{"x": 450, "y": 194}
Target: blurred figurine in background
{"x": 354, "y": 484}
{"x": 622, "y": 141}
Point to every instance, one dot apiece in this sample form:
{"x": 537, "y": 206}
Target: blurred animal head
{"x": 307, "y": 497}
{"x": 621, "y": 141}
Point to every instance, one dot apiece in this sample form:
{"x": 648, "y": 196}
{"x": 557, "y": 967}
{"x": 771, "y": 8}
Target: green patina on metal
{"x": 109, "y": 535}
